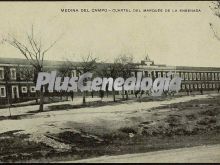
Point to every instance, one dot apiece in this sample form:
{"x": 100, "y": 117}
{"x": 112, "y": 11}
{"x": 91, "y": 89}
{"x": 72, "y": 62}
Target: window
{"x": 1, "y": 73}
{"x": 182, "y": 76}
{"x": 210, "y": 85}
{"x": 202, "y": 76}
{"x": 164, "y": 74}
{"x": 213, "y": 85}
{"x": 198, "y": 76}
{"x": 32, "y": 89}
{"x": 143, "y": 73}
{"x": 205, "y": 75}
{"x": 216, "y": 76}
{"x": 195, "y": 85}
{"x": 24, "y": 89}
{"x": 209, "y": 76}
{"x": 199, "y": 85}
{"x": 153, "y": 74}
{"x": 213, "y": 76}
{"x": 183, "y": 86}
{"x": 191, "y": 86}
{"x": 203, "y": 85}
{"x": 186, "y": 76}
{"x": 73, "y": 73}
{"x": 190, "y": 76}
{"x": 2, "y": 91}
{"x": 206, "y": 86}
{"x": 194, "y": 76}
{"x": 13, "y": 73}
{"x": 159, "y": 74}
{"x": 22, "y": 76}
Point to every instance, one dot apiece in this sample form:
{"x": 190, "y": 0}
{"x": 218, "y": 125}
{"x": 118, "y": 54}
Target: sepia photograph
{"x": 110, "y": 82}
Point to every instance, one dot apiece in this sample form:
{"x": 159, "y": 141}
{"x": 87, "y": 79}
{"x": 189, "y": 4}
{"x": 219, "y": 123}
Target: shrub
{"x": 127, "y": 130}
{"x": 207, "y": 120}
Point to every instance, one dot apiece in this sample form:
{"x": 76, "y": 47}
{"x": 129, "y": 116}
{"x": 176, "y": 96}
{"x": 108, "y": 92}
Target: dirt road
{"x": 59, "y": 131}
{"x": 199, "y": 154}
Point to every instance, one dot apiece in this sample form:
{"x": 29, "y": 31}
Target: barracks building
{"x": 16, "y": 77}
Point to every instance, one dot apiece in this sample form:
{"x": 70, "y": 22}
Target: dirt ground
{"x": 197, "y": 154}
{"x": 68, "y": 131}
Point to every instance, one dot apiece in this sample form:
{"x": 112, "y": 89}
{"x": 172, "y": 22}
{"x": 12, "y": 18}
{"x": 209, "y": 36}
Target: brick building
{"x": 17, "y": 76}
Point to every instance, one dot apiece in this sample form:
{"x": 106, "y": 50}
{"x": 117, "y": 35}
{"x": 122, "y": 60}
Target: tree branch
{"x": 214, "y": 32}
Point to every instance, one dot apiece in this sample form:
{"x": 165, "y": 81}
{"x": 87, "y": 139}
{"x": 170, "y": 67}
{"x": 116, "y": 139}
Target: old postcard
{"x": 110, "y": 82}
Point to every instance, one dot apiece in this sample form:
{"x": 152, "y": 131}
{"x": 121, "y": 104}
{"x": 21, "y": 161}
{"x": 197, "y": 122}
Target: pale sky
{"x": 169, "y": 38}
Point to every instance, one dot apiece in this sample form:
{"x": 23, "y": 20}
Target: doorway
{"x": 15, "y": 93}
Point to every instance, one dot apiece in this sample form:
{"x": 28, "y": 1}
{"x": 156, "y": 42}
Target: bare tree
{"x": 216, "y": 9}
{"x": 34, "y": 52}
{"x": 103, "y": 70}
{"x": 26, "y": 74}
{"x": 125, "y": 64}
{"x": 114, "y": 72}
{"x": 63, "y": 71}
{"x": 88, "y": 64}
{"x": 7, "y": 79}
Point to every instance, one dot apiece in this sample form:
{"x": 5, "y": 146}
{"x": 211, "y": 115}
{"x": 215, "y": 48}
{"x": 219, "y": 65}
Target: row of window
{"x": 24, "y": 89}
{"x": 185, "y": 75}
{"x": 12, "y": 73}
{"x": 197, "y": 86}
{"x": 200, "y": 76}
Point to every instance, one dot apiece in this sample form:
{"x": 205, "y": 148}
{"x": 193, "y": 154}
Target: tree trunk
{"x": 36, "y": 97}
{"x": 72, "y": 95}
{"x": 107, "y": 93}
{"x": 28, "y": 91}
{"x": 113, "y": 93}
{"x": 123, "y": 93}
{"x": 67, "y": 96}
{"x": 61, "y": 96}
{"x": 106, "y": 90}
{"x": 84, "y": 97}
{"x": 126, "y": 92}
{"x": 41, "y": 107}
{"x": 8, "y": 96}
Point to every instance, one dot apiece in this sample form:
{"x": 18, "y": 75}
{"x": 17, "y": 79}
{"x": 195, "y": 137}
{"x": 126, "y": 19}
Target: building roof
{"x": 49, "y": 63}
{"x": 22, "y": 61}
{"x": 197, "y": 68}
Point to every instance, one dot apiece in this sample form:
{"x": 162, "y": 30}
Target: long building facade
{"x": 193, "y": 78}
{"x": 16, "y": 77}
